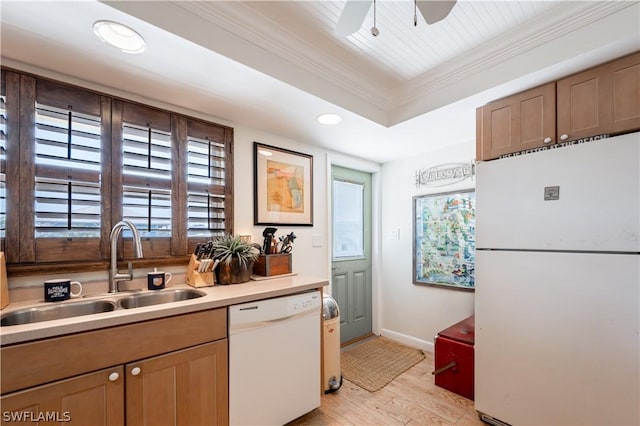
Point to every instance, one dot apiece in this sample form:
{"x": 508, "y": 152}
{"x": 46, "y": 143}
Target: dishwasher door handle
{"x": 253, "y": 325}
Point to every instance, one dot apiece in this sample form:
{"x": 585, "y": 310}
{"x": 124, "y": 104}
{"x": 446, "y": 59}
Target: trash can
{"x": 332, "y": 378}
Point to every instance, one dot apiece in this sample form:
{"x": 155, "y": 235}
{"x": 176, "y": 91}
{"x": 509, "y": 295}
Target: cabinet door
{"x": 603, "y": 99}
{"x": 91, "y": 399}
{"x": 187, "y": 387}
{"x": 523, "y": 121}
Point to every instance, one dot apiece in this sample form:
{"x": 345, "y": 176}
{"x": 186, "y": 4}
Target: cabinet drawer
{"x": 35, "y": 363}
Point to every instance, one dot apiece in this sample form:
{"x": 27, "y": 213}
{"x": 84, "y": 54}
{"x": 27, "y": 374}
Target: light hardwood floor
{"x": 410, "y": 399}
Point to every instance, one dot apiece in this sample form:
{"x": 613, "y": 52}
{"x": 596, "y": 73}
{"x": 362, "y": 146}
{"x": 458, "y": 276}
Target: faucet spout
{"x": 114, "y": 275}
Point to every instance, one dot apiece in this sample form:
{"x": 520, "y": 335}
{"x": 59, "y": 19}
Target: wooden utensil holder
{"x": 272, "y": 264}
{"x": 199, "y": 279}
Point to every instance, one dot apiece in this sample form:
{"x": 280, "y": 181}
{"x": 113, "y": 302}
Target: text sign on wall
{"x": 444, "y": 174}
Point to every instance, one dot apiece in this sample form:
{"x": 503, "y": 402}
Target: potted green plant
{"x": 236, "y": 259}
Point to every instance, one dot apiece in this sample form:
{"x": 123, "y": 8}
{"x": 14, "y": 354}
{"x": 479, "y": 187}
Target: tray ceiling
{"x": 275, "y": 65}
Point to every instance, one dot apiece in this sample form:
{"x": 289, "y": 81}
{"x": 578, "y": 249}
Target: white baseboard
{"x": 408, "y": 340}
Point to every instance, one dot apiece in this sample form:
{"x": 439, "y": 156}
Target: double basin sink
{"x": 88, "y": 307}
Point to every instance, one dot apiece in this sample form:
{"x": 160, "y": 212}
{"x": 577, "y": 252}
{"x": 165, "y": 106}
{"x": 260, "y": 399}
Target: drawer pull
{"x": 113, "y": 377}
{"x": 547, "y": 140}
{"x": 564, "y": 137}
{"x": 135, "y": 371}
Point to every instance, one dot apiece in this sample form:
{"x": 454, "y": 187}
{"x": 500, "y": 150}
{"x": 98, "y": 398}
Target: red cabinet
{"x": 454, "y": 358}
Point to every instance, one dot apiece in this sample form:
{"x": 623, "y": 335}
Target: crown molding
{"x": 249, "y": 37}
{"x": 569, "y": 17}
{"x": 246, "y": 23}
{"x": 398, "y": 100}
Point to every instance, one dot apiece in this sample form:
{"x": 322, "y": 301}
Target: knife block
{"x": 199, "y": 279}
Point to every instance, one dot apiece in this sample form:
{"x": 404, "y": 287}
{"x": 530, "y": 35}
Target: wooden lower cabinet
{"x": 187, "y": 387}
{"x": 90, "y": 399}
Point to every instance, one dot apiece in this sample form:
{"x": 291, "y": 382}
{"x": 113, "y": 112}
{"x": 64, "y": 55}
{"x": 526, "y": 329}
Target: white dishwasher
{"x": 274, "y": 359}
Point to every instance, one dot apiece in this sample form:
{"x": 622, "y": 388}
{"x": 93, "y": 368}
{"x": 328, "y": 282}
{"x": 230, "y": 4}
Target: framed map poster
{"x": 444, "y": 239}
{"x": 283, "y": 186}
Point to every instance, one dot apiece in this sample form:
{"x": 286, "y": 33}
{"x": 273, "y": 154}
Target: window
{"x": 68, "y": 173}
{"x": 74, "y": 162}
{"x": 3, "y": 165}
{"x": 207, "y": 163}
{"x": 146, "y": 199}
{"x": 348, "y": 219}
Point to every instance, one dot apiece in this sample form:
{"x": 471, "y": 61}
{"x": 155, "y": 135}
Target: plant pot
{"x": 233, "y": 273}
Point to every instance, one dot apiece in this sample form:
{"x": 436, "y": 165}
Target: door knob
{"x": 564, "y": 137}
{"x": 547, "y": 140}
{"x": 113, "y": 376}
{"x": 135, "y": 371}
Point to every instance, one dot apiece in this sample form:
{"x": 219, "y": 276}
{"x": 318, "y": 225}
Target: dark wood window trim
{"x": 27, "y": 254}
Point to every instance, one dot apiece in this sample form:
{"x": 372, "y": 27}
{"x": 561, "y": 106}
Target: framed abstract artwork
{"x": 283, "y": 186}
{"x": 444, "y": 239}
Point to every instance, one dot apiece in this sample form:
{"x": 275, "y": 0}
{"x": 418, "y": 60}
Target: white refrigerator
{"x": 557, "y": 300}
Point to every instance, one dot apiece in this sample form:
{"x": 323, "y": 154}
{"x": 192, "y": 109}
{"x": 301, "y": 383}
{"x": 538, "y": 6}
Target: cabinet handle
{"x": 113, "y": 376}
{"x": 135, "y": 371}
{"x": 547, "y": 140}
{"x": 564, "y": 137}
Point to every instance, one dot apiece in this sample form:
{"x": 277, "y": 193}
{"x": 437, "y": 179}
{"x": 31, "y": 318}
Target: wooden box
{"x": 272, "y": 264}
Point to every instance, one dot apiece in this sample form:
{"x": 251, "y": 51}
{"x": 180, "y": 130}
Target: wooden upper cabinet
{"x": 603, "y": 99}
{"x": 523, "y": 121}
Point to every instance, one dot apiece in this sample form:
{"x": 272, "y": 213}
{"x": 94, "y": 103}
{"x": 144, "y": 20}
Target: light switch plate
{"x": 316, "y": 241}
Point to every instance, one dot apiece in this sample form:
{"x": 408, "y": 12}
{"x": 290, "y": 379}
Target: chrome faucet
{"x": 114, "y": 275}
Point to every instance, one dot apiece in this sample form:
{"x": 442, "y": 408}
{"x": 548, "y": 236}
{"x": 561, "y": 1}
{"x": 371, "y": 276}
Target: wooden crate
{"x": 272, "y": 264}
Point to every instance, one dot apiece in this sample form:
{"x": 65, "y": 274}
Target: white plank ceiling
{"x": 275, "y": 65}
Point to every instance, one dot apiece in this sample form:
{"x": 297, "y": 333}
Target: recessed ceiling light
{"x": 119, "y": 36}
{"x": 329, "y": 119}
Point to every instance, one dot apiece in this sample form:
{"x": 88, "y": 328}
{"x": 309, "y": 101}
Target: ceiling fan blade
{"x": 435, "y": 10}
{"x": 352, "y": 17}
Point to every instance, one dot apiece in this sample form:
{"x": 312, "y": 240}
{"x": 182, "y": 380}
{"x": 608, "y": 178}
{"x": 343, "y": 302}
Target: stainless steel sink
{"x": 158, "y": 297}
{"x": 53, "y": 312}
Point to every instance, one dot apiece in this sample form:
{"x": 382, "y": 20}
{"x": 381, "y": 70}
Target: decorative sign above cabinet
{"x": 557, "y": 145}
{"x": 444, "y": 174}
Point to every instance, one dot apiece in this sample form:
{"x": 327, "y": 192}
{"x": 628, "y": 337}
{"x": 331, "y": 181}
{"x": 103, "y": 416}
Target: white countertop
{"x": 215, "y": 297}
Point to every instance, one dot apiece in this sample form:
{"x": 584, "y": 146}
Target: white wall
{"x": 411, "y": 313}
{"x": 306, "y": 259}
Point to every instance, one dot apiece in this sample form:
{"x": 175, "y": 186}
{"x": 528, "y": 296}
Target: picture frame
{"x": 283, "y": 186}
{"x": 444, "y": 240}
